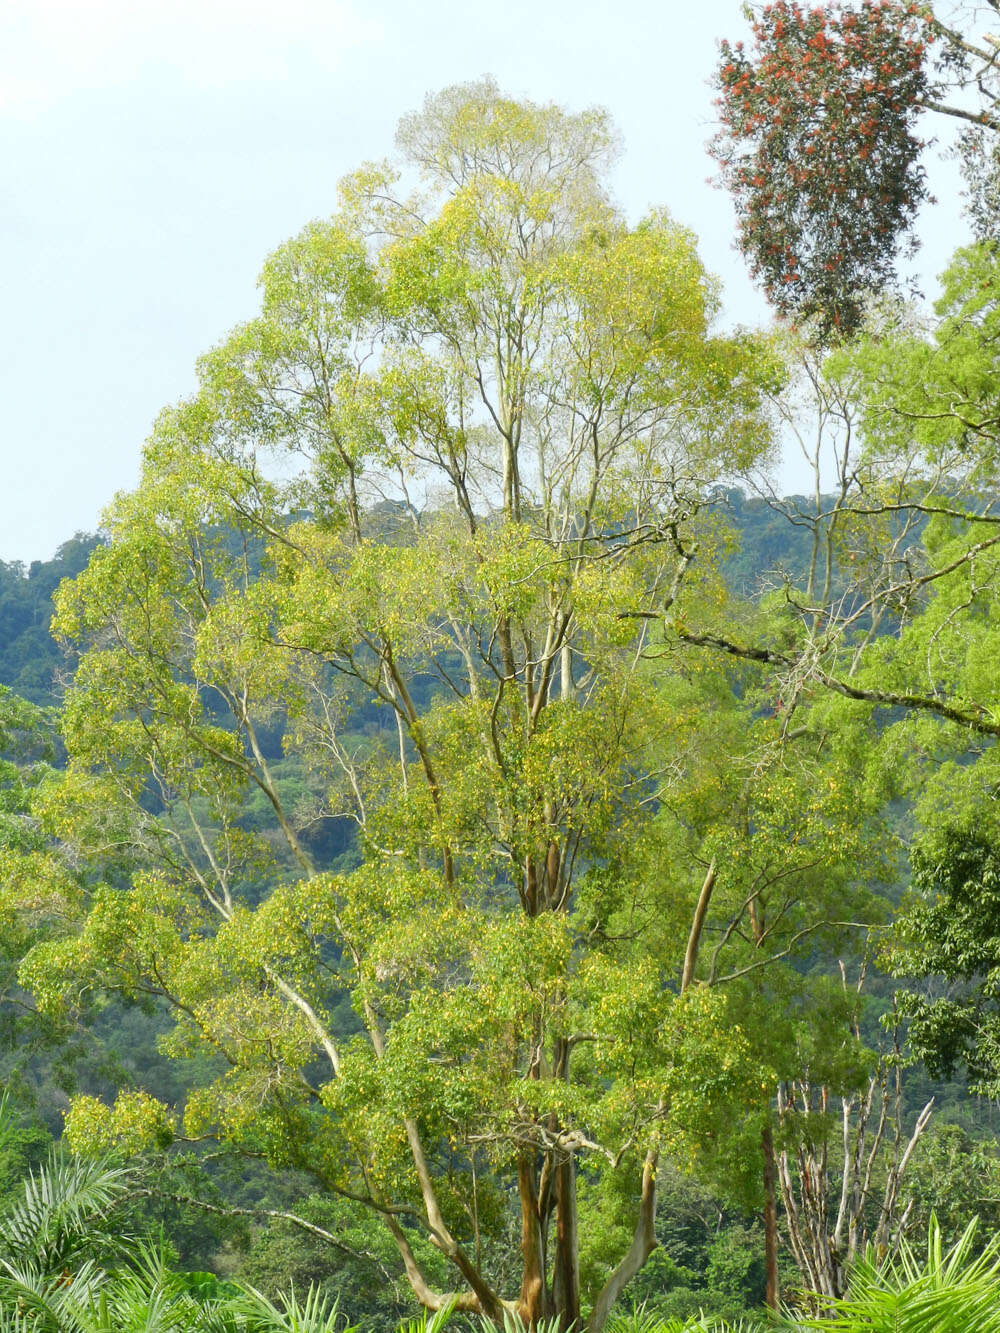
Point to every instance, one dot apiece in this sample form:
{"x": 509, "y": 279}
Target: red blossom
{"x": 829, "y": 91}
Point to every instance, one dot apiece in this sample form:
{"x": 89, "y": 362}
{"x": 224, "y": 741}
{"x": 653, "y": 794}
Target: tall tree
{"x": 471, "y": 422}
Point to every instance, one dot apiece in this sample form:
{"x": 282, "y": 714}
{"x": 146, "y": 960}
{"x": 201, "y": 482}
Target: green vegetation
{"x": 68, "y": 1266}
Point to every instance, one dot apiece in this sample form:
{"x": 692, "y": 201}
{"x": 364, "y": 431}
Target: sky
{"x": 154, "y": 154}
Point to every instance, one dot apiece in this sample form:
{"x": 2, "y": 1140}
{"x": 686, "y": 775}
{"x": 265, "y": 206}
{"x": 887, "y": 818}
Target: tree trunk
{"x": 566, "y": 1270}
{"x": 697, "y": 926}
{"x": 533, "y": 1304}
{"x": 773, "y": 1296}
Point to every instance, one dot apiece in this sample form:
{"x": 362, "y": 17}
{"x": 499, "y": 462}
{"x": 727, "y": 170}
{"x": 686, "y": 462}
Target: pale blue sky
{"x": 154, "y": 154}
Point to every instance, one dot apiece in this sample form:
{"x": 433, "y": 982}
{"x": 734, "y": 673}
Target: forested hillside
{"x": 30, "y": 660}
{"x": 467, "y": 842}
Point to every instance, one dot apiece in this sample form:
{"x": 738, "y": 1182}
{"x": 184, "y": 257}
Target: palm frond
{"x": 62, "y": 1211}
{"x": 316, "y": 1314}
{"x": 44, "y": 1302}
{"x": 950, "y": 1290}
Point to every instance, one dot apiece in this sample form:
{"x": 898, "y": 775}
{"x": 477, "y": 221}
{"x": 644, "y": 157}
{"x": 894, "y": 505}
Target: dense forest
{"x": 470, "y": 844}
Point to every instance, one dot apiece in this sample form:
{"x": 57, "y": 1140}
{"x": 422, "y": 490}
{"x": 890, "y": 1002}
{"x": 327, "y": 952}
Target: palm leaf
{"x": 951, "y": 1290}
{"x": 317, "y": 1314}
{"x": 62, "y": 1213}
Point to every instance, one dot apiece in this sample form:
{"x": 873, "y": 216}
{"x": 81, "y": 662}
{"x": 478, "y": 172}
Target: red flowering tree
{"x": 818, "y": 149}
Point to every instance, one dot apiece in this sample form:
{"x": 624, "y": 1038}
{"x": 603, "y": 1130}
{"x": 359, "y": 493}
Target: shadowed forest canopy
{"x": 30, "y": 662}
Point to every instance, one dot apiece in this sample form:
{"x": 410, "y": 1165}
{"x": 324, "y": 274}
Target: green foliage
{"x": 24, "y": 1145}
{"x": 39, "y": 893}
{"x": 950, "y": 930}
{"x": 359, "y": 1273}
{"x": 955, "y": 1178}
{"x": 313, "y": 1314}
{"x": 61, "y": 1217}
{"x": 709, "y": 1255}
{"x": 400, "y": 566}
{"x": 949, "y": 1289}
{"x": 932, "y": 387}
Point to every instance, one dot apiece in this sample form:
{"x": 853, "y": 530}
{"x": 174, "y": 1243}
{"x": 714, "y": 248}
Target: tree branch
{"x": 979, "y": 721}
